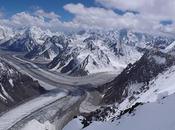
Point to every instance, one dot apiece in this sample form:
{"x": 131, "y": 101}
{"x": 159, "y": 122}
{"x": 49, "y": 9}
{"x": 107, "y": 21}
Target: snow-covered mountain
{"x": 5, "y": 34}
{"x": 82, "y": 59}
{"x": 15, "y": 87}
{"x": 85, "y": 52}
{"x": 26, "y": 39}
{"x": 49, "y": 49}
{"x": 100, "y": 51}
{"x": 20, "y": 43}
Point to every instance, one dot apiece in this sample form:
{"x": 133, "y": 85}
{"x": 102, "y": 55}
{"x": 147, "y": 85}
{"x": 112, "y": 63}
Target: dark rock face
{"x": 79, "y": 69}
{"x": 50, "y": 48}
{"x": 33, "y": 52}
{"x": 16, "y": 87}
{"x": 142, "y": 71}
{"x": 23, "y": 45}
{"x": 68, "y": 59}
{"x": 70, "y": 66}
{"x": 62, "y": 58}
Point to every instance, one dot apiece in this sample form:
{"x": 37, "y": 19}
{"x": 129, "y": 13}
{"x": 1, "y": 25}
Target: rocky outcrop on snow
{"x": 20, "y": 43}
{"x": 26, "y": 39}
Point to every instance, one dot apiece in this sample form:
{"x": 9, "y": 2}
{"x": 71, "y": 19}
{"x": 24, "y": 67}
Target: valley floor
{"x": 65, "y": 96}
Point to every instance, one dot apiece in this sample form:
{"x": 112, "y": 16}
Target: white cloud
{"x": 39, "y": 18}
{"x": 49, "y": 15}
{"x": 90, "y": 17}
{"x": 25, "y": 19}
{"x": 123, "y": 4}
{"x": 157, "y": 9}
{"x": 96, "y": 17}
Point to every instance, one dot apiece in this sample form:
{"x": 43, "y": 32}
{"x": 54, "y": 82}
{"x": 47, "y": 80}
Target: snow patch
{"x": 5, "y": 93}
{"x": 11, "y": 82}
{"x": 35, "y": 125}
{"x": 170, "y": 47}
{"x": 159, "y": 60}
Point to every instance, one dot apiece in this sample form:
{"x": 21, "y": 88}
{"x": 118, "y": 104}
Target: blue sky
{"x": 11, "y": 7}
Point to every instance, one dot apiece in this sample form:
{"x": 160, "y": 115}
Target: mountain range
{"x": 84, "y": 52}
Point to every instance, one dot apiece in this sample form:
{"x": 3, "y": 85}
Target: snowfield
{"x": 13, "y": 116}
{"x": 163, "y": 84}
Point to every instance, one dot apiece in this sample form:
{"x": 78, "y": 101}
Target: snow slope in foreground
{"x": 151, "y": 116}
{"x": 13, "y": 116}
{"x": 156, "y": 114}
